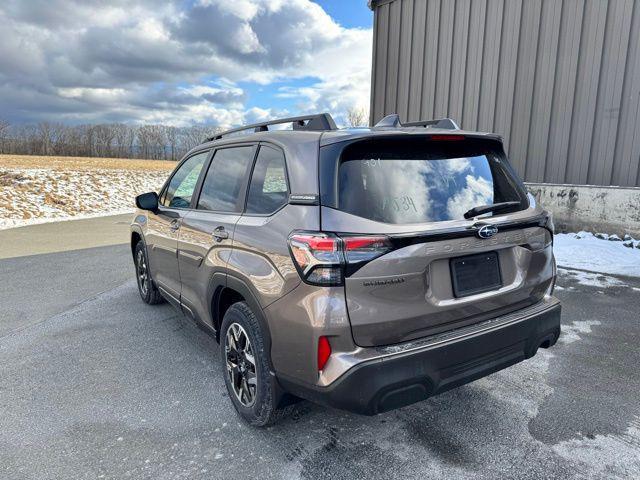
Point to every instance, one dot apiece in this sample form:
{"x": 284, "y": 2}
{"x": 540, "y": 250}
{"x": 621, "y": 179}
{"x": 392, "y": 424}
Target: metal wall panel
{"x": 558, "y": 79}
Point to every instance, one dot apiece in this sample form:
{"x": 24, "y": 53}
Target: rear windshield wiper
{"x": 481, "y": 209}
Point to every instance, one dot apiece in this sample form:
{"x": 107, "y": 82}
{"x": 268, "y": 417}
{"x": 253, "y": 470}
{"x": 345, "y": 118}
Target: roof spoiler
{"x": 393, "y": 121}
{"x": 315, "y": 122}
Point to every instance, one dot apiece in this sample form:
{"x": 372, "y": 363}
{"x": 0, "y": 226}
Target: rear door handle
{"x": 220, "y": 234}
{"x": 175, "y": 225}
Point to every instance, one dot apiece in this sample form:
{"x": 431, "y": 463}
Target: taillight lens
{"x": 364, "y": 249}
{"x": 321, "y": 258}
{"x": 324, "y": 352}
{"x": 317, "y": 257}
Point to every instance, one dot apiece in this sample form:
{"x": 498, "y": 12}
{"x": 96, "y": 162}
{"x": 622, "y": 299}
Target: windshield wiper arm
{"x": 481, "y": 209}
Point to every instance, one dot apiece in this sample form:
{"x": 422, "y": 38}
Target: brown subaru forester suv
{"x": 365, "y": 268}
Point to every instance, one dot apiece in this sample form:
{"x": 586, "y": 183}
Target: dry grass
{"x": 34, "y": 189}
{"x": 9, "y": 179}
{"x": 83, "y": 163}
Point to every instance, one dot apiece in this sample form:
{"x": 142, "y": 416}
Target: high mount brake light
{"x": 447, "y": 138}
{"x": 320, "y": 258}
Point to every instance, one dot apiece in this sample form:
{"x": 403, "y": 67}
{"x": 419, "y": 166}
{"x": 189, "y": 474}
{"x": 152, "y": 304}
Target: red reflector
{"x": 324, "y": 351}
{"x": 447, "y": 138}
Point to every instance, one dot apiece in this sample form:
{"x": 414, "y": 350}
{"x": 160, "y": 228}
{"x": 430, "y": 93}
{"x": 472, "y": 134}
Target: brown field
{"x": 83, "y": 163}
{"x": 47, "y": 188}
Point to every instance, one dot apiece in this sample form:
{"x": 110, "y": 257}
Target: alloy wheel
{"x": 143, "y": 273}
{"x": 241, "y": 364}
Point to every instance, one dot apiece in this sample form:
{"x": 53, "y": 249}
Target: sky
{"x": 182, "y": 62}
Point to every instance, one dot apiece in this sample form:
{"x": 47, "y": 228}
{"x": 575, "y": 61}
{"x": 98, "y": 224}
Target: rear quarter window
{"x": 268, "y": 189}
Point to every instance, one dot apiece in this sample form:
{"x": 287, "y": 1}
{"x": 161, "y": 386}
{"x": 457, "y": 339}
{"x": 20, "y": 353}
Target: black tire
{"x": 147, "y": 289}
{"x": 264, "y": 409}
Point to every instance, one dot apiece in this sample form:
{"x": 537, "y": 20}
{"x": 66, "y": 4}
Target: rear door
{"x": 261, "y": 255}
{"x": 435, "y": 271}
{"x": 206, "y": 234}
{"x": 161, "y": 235}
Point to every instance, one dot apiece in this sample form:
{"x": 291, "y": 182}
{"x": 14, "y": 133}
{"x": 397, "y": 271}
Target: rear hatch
{"x": 436, "y": 270}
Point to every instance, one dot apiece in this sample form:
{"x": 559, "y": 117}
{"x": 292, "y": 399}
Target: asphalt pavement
{"x": 49, "y": 268}
{"x": 96, "y": 384}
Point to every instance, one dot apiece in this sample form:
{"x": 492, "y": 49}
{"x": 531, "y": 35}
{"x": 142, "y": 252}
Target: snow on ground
{"x": 572, "y": 333}
{"x": 37, "y": 195}
{"x": 586, "y": 252}
{"x": 590, "y": 279}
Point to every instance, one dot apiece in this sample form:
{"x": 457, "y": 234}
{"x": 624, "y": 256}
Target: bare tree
{"x": 4, "y": 133}
{"x": 102, "y": 140}
{"x": 194, "y": 136}
{"x": 159, "y": 141}
{"x": 104, "y": 135}
{"x": 76, "y": 141}
{"x": 171, "y": 134}
{"x": 45, "y": 137}
{"x": 24, "y": 140}
{"x": 357, "y": 117}
{"x": 144, "y": 135}
{"x": 57, "y": 137}
{"x": 124, "y": 138}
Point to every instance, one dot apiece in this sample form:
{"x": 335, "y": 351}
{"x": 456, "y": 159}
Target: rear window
{"x": 428, "y": 181}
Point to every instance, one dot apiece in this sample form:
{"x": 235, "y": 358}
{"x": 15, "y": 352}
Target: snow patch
{"x": 37, "y": 195}
{"x": 591, "y": 279}
{"x": 605, "y": 456}
{"x": 586, "y": 252}
{"x": 571, "y": 333}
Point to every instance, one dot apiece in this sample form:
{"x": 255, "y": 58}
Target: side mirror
{"x": 147, "y": 201}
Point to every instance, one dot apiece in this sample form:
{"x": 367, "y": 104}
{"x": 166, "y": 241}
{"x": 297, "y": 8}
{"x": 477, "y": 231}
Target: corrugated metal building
{"x": 559, "y": 79}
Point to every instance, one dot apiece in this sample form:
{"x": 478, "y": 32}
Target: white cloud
{"x": 92, "y": 60}
{"x": 96, "y": 95}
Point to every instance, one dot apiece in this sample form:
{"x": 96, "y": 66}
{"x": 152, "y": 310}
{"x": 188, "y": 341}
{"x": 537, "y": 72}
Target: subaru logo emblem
{"x": 487, "y": 231}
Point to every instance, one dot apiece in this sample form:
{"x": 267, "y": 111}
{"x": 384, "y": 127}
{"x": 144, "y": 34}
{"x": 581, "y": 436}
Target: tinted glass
{"x": 180, "y": 190}
{"x": 226, "y": 175}
{"x": 406, "y": 189}
{"x": 268, "y": 190}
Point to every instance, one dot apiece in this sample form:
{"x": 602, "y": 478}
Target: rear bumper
{"x": 403, "y": 374}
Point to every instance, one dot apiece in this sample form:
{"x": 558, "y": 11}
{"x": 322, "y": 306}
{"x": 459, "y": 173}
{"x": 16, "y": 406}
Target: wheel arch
{"x": 223, "y": 294}
{"x": 136, "y": 237}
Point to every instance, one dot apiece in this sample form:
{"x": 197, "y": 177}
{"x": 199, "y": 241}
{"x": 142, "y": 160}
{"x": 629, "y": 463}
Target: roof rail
{"x": 315, "y": 122}
{"x": 393, "y": 121}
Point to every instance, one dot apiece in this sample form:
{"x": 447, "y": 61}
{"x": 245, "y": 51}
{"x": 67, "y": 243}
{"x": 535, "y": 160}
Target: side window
{"x": 268, "y": 190}
{"x": 181, "y": 186}
{"x": 226, "y": 175}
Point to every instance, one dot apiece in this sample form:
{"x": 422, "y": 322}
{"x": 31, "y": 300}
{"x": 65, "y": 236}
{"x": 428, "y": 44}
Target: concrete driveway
{"x": 96, "y": 384}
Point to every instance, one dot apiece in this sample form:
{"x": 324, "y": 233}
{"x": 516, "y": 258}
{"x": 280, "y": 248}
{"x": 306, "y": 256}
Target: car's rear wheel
{"x": 148, "y": 291}
{"x": 251, "y": 388}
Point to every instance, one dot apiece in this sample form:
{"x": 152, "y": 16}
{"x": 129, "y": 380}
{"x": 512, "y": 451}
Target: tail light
{"x": 363, "y": 249}
{"x": 322, "y": 258}
{"x": 324, "y": 352}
